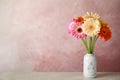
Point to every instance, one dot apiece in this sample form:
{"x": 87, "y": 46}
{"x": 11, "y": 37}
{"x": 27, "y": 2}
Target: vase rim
{"x": 90, "y": 54}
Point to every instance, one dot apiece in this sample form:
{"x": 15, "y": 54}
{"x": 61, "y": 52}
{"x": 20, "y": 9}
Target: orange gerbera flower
{"x": 105, "y": 32}
{"x": 80, "y": 19}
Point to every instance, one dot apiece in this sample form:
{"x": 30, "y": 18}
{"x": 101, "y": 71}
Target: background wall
{"x": 33, "y": 35}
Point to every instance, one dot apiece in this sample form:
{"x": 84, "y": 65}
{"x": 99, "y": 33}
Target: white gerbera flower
{"x": 91, "y": 15}
{"x": 91, "y": 27}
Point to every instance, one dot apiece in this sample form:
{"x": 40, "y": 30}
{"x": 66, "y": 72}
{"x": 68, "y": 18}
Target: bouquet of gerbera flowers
{"x": 89, "y": 28}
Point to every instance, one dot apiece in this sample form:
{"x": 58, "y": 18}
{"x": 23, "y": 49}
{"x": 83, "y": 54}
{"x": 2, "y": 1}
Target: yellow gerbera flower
{"x": 103, "y": 22}
{"x": 91, "y": 27}
{"x": 91, "y": 15}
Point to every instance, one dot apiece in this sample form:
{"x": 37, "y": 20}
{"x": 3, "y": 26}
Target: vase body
{"x": 89, "y": 66}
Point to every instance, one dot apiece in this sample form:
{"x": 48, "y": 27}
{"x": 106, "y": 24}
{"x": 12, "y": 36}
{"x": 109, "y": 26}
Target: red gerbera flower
{"x": 79, "y": 19}
{"x": 105, "y": 32}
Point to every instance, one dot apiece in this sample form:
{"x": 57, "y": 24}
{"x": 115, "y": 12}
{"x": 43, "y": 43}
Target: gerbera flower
{"x": 79, "y": 19}
{"x": 105, "y": 32}
{"x": 71, "y": 25}
{"x": 91, "y": 15}
{"x": 78, "y": 31}
{"x": 103, "y": 22}
{"x": 74, "y": 28}
{"x": 91, "y": 27}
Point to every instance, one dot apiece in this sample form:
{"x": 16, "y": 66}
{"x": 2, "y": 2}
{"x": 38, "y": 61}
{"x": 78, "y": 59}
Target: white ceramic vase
{"x": 89, "y": 66}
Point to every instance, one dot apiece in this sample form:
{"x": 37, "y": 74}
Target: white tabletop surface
{"x": 58, "y": 76}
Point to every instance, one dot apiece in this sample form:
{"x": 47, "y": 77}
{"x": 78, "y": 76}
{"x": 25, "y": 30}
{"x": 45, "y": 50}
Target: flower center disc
{"x": 91, "y": 27}
{"x": 104, "y": 32}
{"x": 79, "y": 30}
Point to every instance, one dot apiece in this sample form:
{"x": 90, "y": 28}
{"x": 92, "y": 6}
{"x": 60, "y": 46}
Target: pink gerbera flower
{"x": 75, "y": 29}
{"x": 71, "y": 25}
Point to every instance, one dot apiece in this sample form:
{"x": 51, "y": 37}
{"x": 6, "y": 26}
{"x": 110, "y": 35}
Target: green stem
{"x": 93, "y": 44}
{"x": 85, "y": 45}
{"x": 94, "y": 41}
{"x": 96, "y": 37}
{"x": 90, "y": 45}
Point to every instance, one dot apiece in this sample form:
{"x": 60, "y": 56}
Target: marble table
{"x": 58, "y": 76}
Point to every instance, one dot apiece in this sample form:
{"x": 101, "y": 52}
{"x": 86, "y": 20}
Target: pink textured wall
{"x": 33, "y": 35}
